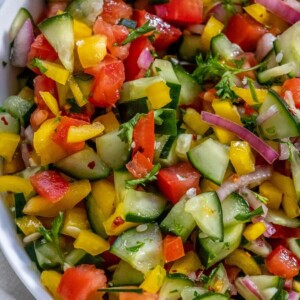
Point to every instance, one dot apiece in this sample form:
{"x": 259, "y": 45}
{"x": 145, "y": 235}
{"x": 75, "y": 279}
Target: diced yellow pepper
{"x": 28, "y": 224}
{"x": 26, "y": 93}
{"x": 109, "y": 121}
{"x": 187, "y": 264}
{"x": 244, "y": 261}
{"x": 193, "y": 120}
{"x": 15, "y": 184}
{"x": 110, "y": 225}
{"x": 55, "y": 71}
{"x": 296, "y": 286}
{"x": 289, "y": 201}
{"x": 274, "y": 195}
{"x": 84, "y": 132}
{"x": 208, "y": 186}
{"x": 46, "y": 148}
{"x": 8, "y": 145}
{"x": 75, "y": 220}
{"x": 81, "y": 30}
{"x": 51, "y": 279}
{"x": 246, "y": 95}
{"x": 212, "y": 28}
{"x": 51, "y": 102}
{"x": 154, "y": 280}
{"x": 258, "y": 12}
{"x": 253, "y": 231}
{"x": 241, "y": 157}
{"x": 15, "y": 165}
{"x": 77, "y": 93}
{"x": 91, "y": 50}
{"x": 39, "y": 206}
{"x": 62, "y": 91}
{"x": 91, "y": 242}
{"x": 158, "y": 94}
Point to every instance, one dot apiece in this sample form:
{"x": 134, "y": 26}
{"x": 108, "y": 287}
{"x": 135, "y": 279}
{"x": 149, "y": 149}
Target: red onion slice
{"x": 267, "y": 152}
{"x": 264, "y": 45}
{"x": 145, "y": 59}
{"x": 251, "y": 286}
{"x": 293, "y": 295}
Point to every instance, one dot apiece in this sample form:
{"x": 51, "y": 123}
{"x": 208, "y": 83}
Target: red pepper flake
{"x": 118, "y": 221}
{"x": 91, "y": 165}
{"x": 4, "y": 121}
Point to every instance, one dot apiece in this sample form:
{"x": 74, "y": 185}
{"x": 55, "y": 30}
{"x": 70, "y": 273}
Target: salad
{"x": 152, "y": 151}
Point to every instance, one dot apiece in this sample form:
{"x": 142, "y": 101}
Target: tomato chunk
{"x": 43, "y": 84}
{"x": 81, "y": 282}
{"x": 114, "y": 10}
{"x": 139, "y": 166}
{"x": 283, "y": 232}
{"x": 50, "y": 184}
{"x": 172, "y": 248}
{"x": 176, "y": 180}
{"x": 293, "y": 86}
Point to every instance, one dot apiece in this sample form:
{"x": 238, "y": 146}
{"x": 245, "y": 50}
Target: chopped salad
{"x": 152, "y": 151}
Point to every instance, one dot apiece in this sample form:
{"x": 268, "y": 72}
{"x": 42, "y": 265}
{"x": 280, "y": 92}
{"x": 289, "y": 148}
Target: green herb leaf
{"x": 229, "y": 6}
{"x": 252, "y": 88}
{"x": 38, "y": 64}
{"x": 246, "y": 217}
{"x": 223, "y": 87}
{"x": 249, "y": 122}
{"x": 126, "y": 129}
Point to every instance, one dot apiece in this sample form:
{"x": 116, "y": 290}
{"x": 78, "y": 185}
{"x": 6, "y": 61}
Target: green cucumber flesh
{"x": 169, "y": 122}
{"x": 79, "y": 256}
{"x": 189, "y": 293}
{"x": 8, "y": 123}
{"x": 294, "y": 246}
{"x": 165, "y": 150}
{"x": 218, "y": 279}
{"x": 120, "y": 178}
{"x": 190, "y": 47}
{"x": 280, "y": 218}
{"x": 22, "y": 15}
{"x": 223, "y": 48}
{"x": 295, "y": 168}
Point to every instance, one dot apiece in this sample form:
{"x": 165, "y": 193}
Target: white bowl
{"x": 9, "y": 242}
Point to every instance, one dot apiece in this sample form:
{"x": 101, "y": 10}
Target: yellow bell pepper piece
{"x": 8, "y": 145}
{"x": 289, "y": 201}
{"x": 212, "y": 28}
{"x": 253, "y": 231}
{"x": 208, "y": 186}
{"x": 113, "y": 228}
{"x": 91, "y": 50}
{"x": 28, "y": 224}
{"x": 246, "y": 95}
{"x": 51, "y": 279}
{"x": 158, "y": 94}
{"x": 62, "y": 91}
{"x": 109, "y": 121}
{"x": 91, "y": 243}
{"x": 75, "y": 220}
{"x": 259, "y": 13}
{"x": 15, "y": 184}
{"x": 39, "y": 206}
{"x": 77, "y": 93}
{"x": 84, "y": 132}
{"x": 15, "y": 165}
{"x": 45, "y": 147}
{"x": 241, "y": 157}
{"x": 187, "y": 264}
{"x": 296, "y": 286}
{"x": 26, "y": 93}
{"x": 51, "y": 102}
{"x": 274, "y": 195}
{"x": 154, "y": 280}
{"x": 193, "y": 120}
{"x": 244, "y": 261}
{"x": 81, "y": 30}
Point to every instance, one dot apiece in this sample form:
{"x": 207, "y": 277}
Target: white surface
{"x": 10, "y": 244}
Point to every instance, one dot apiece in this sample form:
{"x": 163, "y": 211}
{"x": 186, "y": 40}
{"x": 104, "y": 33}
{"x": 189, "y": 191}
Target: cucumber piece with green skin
{"x": 165, "y": 150}
{"x": 280, "y": 218}
{"x": 173, "y": 286}
{"x": 19, "y": 20}
{"x": 294, "y": 246}
{"x": 214, "y": 165}
{"x": 8, "y": 123}
{"x": 282, "y": 124}
{"x": 141, "y": 247}
{"x": 218, "y": 280}
{"x": 295, "y": 168}
{"x": 79, "y": 256}
{"x": 168, "y": 117}
{"x": 142, "y": 207}
{"x": 259, "y": 247}
{"x": 189, "y": 47}
{"x": 84, "y": 164}
{"x": 178, "y": 221}
{"x": 211, "y": 252}
{"x": 120, "y": 178}
{"x": 213, "y": 296}
{"x": 207, "y": 212}
{"x": 85, "y": 10}
{"x": 266, "y": 281}
{"x": 63, "y": 43}
{"x": 189, "y": 293}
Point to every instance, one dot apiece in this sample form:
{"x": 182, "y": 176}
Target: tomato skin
{"x": 172, "y": 248}
{"x": 50, "y": 184}
{"x": 81, "y": 282}
{"x": 283, "y": 232}
{"x": 282, "y": 262}
{"x": 43, "y": 84}
{"x": 176, "y": 180}
{"x": 114, "y": 10}
{"x": 139, "y": 166}
{"x": 292, "y": 85}
{"x": 181, "y": 12}
{"x": 244, "y": 31}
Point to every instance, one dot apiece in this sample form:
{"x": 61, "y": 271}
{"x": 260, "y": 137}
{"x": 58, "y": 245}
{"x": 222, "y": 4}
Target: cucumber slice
{"x": 245, "y": 292}
{"x": 141, "y": 247}
{"x": 19, "y": 20}
{"x": 58, "y": 30}
{"x": 79, "y": 256}
{"x": 213, "y": 296}
{"x": 259, "y": 246}
{"x": 190, "y": 47}
{"x": 295, "y": 167}
{"x": 214, "y": 165}
{"x": 189, "y": 293}
{"x": 84, "y": 164}
{"x": 8, "y": 123}
{"x": 120, "y": 178}
{"x": 207, "y": 213}
{"x": 222, "y": 47}
{"x": 165, "y": 150}
{"x": 294, "y": 246}
{"x": 218, "y": 280}
{"x": 266, "y": 281}
{"x": 282, "y": 124}
{"x": 169, "y": 122}
{"x": 280, "y": 218}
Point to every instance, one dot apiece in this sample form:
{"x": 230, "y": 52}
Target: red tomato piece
{"x": 50, "y": 184}
{"x": 135, "y": 296}
{"x": 167, "y": 34}
{"x": 292, "y": 85}
{"x": 81, "y": 282}
{"x": 109, "y": 78}
{"x": 114, "y": 10}
{"x": 244, "y": 31}
{"x": 144, "y": 137}
{"x": 38, "y": 117}
{"x": 181, "y": 12}
{"x": 172, "y": 248}
{"x": 282, "y": 262}
{"x": 176, "y": 180}
{"x": 283, "y": 232}
{"x": 139, "y": 166}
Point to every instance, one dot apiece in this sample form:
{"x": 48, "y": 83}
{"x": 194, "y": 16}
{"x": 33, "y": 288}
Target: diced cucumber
{"x": 141, "y": 247}
{"x": 28, "y": 172}
{"x": 165, "y": 150}
{"x": 223, "y": 48}
{"x": 129, "y": 109}
{"x": 190, "y": 47}
{"x": 241, "y": 284}
{"x": 85, "y": 10}
{"x": 266, "y": 281}
{"x": 20, "y": 18}
{"x": 120, "y": 178}
{"x": 189, "y": 293}
{"x": 218, "y": 280}
{"x": 280, "y": 218}
{"x": 79, "y": 256}
{"x": 294, "y": 246}
{"x": 214, "y": 165}
{"x": 207, "y": 212}
{"x": 112, "y": 150}
{"x": 125, "y": 274}
{"x": 168, "y": 118}
{"x": 84, "y": 164}
{"x": 295, "y": 168}
{"x": 173, "y": 286}
{"x": 63, "y": 42}
{"x": 282, "y": 124}
{"x": 213, "y": 296}
{"x": 270, "y": 59}
{"x": 259, "y": 246}
{"x": 270, "y": 293}
{"x": 85, "y": 82}
{"x": 142, "y": 207}
{"x": 211, "y": 252}
{"x": 8, "y": 123}
{"x": 178, "y": 221}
